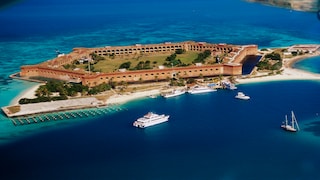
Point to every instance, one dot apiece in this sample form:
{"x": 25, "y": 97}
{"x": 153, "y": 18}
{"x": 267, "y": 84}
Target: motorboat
{"x": 150, "y": 119}
{"x": 241, "y": 95}
{"x": 200, "y": 89}
{"x": 174, "y": 93}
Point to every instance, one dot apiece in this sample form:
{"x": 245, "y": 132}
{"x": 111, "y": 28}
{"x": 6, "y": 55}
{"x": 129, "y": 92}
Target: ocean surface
{"x": 208, "y": 136}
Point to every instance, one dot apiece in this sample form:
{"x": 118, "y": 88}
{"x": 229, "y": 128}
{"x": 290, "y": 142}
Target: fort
{"x": 234, "y": 56}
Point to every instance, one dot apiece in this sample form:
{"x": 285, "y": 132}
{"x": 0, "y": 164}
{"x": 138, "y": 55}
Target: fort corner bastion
{"x": 234, "y": 55}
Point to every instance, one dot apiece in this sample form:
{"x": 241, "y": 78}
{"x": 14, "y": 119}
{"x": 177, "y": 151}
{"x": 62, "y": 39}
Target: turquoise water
{"x": 310, "y": 64}
{"x": 209, "y": 136}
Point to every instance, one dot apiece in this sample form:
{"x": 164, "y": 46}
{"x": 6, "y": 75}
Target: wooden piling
{"x": 34, "y": 119}
{"x": 14, "y": 122}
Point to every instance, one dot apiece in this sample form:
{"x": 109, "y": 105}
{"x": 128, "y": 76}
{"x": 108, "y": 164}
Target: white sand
{"x": 29, "y": 93}
{"x": 127, "y": 97}
{"x": 288, "y": 73}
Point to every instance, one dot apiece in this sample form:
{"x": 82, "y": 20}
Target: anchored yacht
{"x": 241, "y": 95}
{"x": 291, "y": 127}
{"x": 200, "y": 89}
{"x": 174, "y": 93}
{"x": 150, "y": 119}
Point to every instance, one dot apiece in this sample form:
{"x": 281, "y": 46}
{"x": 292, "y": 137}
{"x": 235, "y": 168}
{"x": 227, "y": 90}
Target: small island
{"x": 309, "y": 6}
{"x": 95, "y": 77}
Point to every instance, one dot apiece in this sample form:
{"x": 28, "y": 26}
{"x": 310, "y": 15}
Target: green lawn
{"x": 110, "y": 65}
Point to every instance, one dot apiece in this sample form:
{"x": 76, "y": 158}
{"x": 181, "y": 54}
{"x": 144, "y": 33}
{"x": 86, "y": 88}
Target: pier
{"x": 66, "y": 115}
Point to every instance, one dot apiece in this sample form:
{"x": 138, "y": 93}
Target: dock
{"x": 65, "y": 115}
{"x": 50, "y": 107}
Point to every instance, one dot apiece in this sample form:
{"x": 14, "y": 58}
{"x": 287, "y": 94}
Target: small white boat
{"x": 150, "y": 119}
{"x": 174, "y": 93}
{"x": 153, "y": 96}
{"x": 241, "y": 95}
{"x": 293, "y": 127}
{"x": 201, "y": 89}
{"x": 229, "y": 85}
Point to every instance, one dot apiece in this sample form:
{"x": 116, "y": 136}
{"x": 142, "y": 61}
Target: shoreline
{"x": 28, "y": 93}
{"x": 120, "y": 99}
{"x": 288, "y": 73}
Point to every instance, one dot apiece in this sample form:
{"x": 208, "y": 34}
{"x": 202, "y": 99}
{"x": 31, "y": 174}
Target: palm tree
{"x": 43, "y": 91}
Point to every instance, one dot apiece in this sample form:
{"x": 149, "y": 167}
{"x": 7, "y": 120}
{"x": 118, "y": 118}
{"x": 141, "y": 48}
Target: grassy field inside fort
{"x": 113, "y": 64}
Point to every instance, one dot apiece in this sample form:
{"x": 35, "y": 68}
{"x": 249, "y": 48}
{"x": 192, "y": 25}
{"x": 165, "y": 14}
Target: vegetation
{"x": 143, "y": 65}
{"x": 272, "y": 61}
{"x": 14, "y": 109}
{"x": 179, "y": 82}
{"x": 180, "y": 51}
{"x": 173, "y": 61}
{"x": 125, "y": 65}
{"x": 62, "y": 91}
{"x": 273, "y": 56}
{"x": 296, "y": 53}
{"x": 202, "y": 56}
{"x": 111, "y": 64}
{"x": 100, "y": 88}
{"x": 96, "y": 57}
{"x": 191, "y": 81}
{"x": 69, "y": 66}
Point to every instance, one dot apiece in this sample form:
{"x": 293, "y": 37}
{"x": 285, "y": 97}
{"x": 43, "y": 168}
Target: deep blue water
{"x": 209, "y": 136}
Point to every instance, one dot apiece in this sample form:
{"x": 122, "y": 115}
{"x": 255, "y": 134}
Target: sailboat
{"x": 293, "y": 127}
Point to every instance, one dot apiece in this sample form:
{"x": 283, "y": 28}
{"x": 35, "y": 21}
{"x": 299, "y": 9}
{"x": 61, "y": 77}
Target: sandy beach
{"x": 130, "y": 96}
{"x": 28, "y": 93}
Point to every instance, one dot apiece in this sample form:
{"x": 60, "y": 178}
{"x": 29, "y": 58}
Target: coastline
{"x": 288, "y": 73}
{"x": 119, "y": 99}
{"x": 28, "y": 93}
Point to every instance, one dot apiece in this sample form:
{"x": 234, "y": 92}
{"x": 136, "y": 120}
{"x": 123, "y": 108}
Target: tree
{"x": 42, "y": 91}
{"x": 276, "y": 66}
{"x": 202, "y": 56}
{"x": 273, "y": 56}
{"x": 191, "y": 81}
{"x": 96, "y": 57}
{"x": 125, "y": 65}
{"x": 180, "y": 51}
{"x": 171, "y": 57}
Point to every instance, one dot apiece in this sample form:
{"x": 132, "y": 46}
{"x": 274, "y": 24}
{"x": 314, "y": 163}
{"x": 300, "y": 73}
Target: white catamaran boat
{"x": 174, "y": 93}
{"x": 293, "y": 127}
{"x": 150, "y": 119}
{"x": 201, "y": 89}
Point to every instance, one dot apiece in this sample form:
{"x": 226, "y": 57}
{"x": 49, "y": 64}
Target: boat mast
{"x": 294, "y": 121}
{"x": 286, "y": 121}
